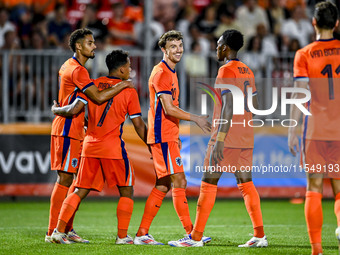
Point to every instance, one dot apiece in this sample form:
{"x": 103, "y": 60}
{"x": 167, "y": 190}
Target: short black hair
{"x": 233, "y": 39}
{"x": 116, "y": 59}
{"x": 326, "y": 15}
{"x": 77, "y": 35}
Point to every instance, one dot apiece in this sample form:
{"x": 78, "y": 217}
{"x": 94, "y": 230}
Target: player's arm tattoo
{"x": 68, "y": 110}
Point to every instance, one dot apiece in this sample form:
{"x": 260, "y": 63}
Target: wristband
{"x": 221, "y": 136}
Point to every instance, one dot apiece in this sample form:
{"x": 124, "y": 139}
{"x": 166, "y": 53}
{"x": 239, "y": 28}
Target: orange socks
{"x": 68, "y": 209}
{"x": 124, "y": 212}
{"x": 57, "y": 197}
{"x": 181, "y": 206}
{"x": 337, "y": 208}
{"x": 253, "y": 205}
{"x": 205, "y": 204}
{"x": 313, "y": 214}
{"x": 69, "y": 226}
{"x": 152, "y": 206}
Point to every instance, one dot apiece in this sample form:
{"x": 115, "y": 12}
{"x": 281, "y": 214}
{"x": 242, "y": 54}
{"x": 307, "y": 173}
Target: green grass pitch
{"x": 23, "y": 226}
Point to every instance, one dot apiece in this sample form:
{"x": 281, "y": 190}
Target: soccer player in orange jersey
{"x": 104, "y": 157}
{"x": 230, "y": 145}
{"x": 163, "y": 137}
{"x": 317, "y": 68}
{"x": 68, "y": 132}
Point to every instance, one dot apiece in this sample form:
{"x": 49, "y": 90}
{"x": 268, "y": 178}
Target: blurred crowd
{"x": 270, "y": 27}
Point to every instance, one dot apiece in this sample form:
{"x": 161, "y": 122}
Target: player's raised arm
{"x": 102, "y": 96}
{"x": 295, "y": 114}
{"x": 68, "y": 110}
{"x": 226, "y": 114}
{"x": 171, "y": 110}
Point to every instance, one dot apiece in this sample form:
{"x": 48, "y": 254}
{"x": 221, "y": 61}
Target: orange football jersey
{"x": 162, "y": 128}
{"x": 74, "y": 79}
{"x": 105, "y": 125}
{"x": 240, "y": 134}
{"x": 319, "y": 64}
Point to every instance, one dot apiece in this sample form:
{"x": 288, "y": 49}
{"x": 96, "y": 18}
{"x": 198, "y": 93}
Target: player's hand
{"x": 203, "y": 123}
{"x": 55, "y": 105}
{"x": 127, "y": 84}
{"x": 179, "y": 143}
{"x": 217, "y": 153}
{"x": 293, "y": 142}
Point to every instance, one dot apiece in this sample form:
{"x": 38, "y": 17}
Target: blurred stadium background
{"x": 33, "y": 45}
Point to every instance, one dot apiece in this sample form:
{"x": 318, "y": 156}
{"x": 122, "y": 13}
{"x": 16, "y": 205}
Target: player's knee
{"x": 163, "y": 188}
{"x": 212, "y": 181}
{"x": 243, "y": 180}
{"x": 315, "y": 184}
{"x": 126, "y": 192}
{"x": 82, "y": 193}
{"x": 65, "y": 179}
{"x": 179, "y": 182}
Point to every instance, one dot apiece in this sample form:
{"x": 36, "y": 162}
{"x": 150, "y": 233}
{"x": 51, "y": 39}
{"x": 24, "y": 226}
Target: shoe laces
{"x": 184, "y": 239}
{"x": 150, "y": 236}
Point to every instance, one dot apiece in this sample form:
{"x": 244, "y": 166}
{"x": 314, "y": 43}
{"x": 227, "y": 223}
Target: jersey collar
{"x": 174, "y": 70}
{"x": 325, "y": 40}
{"x": 234, "y": 59}
{"x": 74, "y": 57}
{"x": 113, "y": 77}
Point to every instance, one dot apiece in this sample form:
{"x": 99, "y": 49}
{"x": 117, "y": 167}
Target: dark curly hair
{"x": 116, "y": 59}
{"x": 77, "y": 35}
{"x": 233, "y": 38}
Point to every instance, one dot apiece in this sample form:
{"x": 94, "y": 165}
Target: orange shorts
{"x": 321, "y": 157}
{"x": 93, "y": 172}
{"x": 65, "y": 153}
{"x": 166, "y": 159}
{"x": 234, "y": 159}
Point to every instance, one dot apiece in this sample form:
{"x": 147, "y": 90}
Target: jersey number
{"x": 107, "y": 108}
{"x": 328, "y": 70}
{"x": 245, "y": 84}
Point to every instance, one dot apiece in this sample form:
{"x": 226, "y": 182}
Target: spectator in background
{"x": 45, "y": 7}
{"x": 294, "y": 45}
{"x": 196, "y": 35}
{"x": 187, "y": 17}
{"x": 268, "y": 45}
{"x": 134, "y": 11}
{"x": 5, "y": 25}
{"x": 276, "y": 14}
{"x": 207, "y": 23}
{"x": 11, "y": 41}
{"x": 25, "y": 27}
{"x": 38, "y": 41}
{"x": 91, "y": 22}
{"x": 165, "y": 10}
{"x": 248, "y": 16}
{"x": 297, "y": 27}
{"x": 227, "y": 22}
{"x": 59, "y": 26}
{"x": 253, "y": 57}
{"x": 196, "y": 64}
{"x": 121, "y": 28}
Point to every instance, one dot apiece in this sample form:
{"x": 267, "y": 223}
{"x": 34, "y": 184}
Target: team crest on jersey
{"x": 74, "y": 162}
{"x": 178, "y": 161}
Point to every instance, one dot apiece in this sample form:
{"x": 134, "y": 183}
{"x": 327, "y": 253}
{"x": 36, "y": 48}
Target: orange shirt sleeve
{"x": 225, "y": 76}
{"x": 162, "y": 82}
{"x": 134, "y": 109}
{"x": 81, "y": 78}
{"x": 300, "y": 66}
